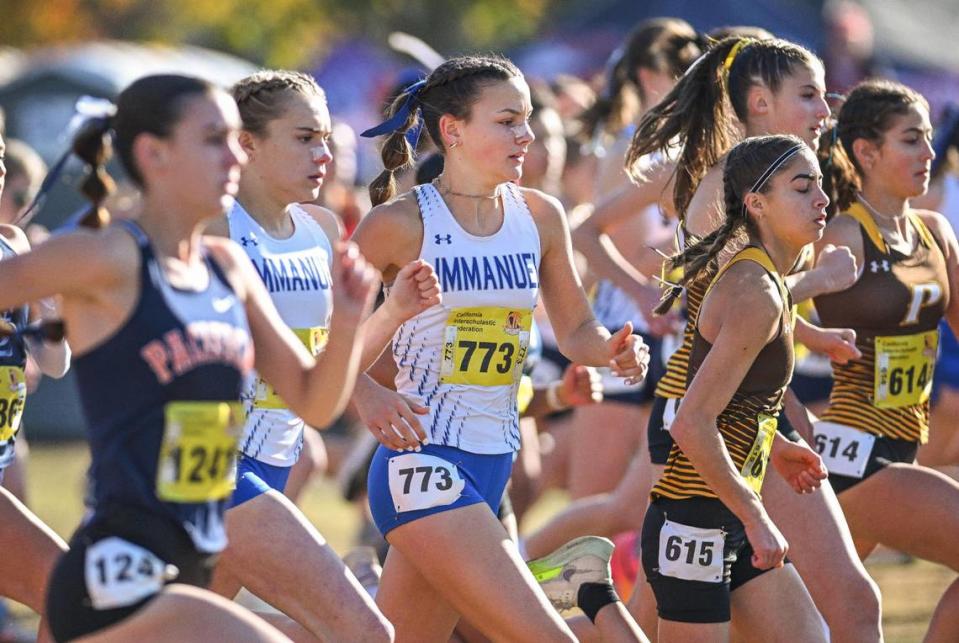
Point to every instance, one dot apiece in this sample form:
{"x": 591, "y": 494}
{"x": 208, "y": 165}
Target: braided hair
{"x": 868, "y": 112}
{"x": 451, "y": 88}
{"x": 752, "y": 161}
{"x": 261, "y": 97}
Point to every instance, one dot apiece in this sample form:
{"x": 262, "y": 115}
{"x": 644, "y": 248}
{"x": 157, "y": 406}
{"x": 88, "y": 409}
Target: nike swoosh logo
{"x": 223, "y": 304}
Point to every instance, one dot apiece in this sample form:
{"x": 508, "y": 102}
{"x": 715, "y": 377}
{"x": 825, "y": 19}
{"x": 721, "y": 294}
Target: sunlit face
{"x": 799, "y": 107}
{"x": 202, "y": 155}
{"x": 905, "y": 156}
{"x": 293, "y": 155}
{"x": 543, "y": 167}
{"x": 497, "y": 134}
{"x": 794, "y": 209}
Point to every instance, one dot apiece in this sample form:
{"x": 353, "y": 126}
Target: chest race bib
{"x": 198, "y": 452}
{"x": 904, "y": 367}
{"x": 13, "y": 395}
{"x": 314, "y": 339}
{"x": 485, "y": 346}
{"x": 754, "y": 467}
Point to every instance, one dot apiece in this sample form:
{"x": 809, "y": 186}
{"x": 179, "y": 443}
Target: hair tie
{"x": 396, "y": 121}
{"x": 731, "y": 56}
{"x": 775, "y": 165}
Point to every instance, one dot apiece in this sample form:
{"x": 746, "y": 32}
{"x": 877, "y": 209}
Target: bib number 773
{"x": 421, "y": 481}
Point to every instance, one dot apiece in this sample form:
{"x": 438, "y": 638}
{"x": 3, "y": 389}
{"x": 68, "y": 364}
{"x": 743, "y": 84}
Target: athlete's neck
{"x": 267, "y": 210}
{"x": 463, "y": 180}
{"x": 171, "y": 236}
{"x": 782, "y": 253}
{"x": 882, "y": 204}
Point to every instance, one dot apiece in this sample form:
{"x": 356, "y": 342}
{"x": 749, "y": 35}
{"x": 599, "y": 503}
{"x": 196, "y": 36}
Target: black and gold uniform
{"x": 879, "y": 407}
{"x": 672, "y": 385}
{"x": 695, "y": 550}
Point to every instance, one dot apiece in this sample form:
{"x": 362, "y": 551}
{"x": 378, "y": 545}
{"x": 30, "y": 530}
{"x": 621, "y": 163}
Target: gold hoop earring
{"x": 453, "y": 144}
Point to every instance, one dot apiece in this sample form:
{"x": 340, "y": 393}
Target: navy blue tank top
{"x": 13, "y": 387}
{"x": 161, "y": 399}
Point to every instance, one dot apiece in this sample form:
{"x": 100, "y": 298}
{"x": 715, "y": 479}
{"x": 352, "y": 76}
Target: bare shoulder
{"x": 842, "y": 230}
{"x": 746, "y": 286}
{"x": 218, "y": 227}
{"x": 15, "y": 238}
{"x": 542, "y": 205}
{"x": 326, "y": 219}
{"x": 391, "y": 235}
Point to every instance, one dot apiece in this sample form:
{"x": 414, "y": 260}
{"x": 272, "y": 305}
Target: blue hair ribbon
{"x": 399, "y": 118}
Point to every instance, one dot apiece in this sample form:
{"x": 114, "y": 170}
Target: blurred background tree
{"x": 284, "y": 33}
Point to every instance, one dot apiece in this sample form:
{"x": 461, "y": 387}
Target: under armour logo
{"x": 440, "y": 238}
{"x": 875, "y": 265}
{"x": 249, "y": 241}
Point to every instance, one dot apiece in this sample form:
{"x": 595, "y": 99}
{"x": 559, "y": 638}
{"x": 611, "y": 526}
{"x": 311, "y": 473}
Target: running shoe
{"x": 561, "y": 573}
{"x": 365, "y": 565}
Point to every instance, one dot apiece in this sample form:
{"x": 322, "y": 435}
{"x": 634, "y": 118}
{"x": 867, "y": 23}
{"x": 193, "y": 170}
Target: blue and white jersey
{"x": 296, "y": 272}
{"x": 161, "y": 399}
{"x": 13, "y": 384}
{"x": 464, "y": 358}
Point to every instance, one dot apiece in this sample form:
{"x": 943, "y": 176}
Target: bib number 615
{"x": 421, "y": 481}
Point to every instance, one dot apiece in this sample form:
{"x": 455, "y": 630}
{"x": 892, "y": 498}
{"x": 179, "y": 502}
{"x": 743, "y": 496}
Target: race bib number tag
{"x": 420, "y": 481}
{"x": 844, "y": 450}
{"x": 315, "y": 341}
{"x": 485, "y": 346}
{"x": 119, "y": 573}
{"x": 904, "y": 367}
{"x": 198, "y": 451}
{"x": 670, "y": 411}
{"x": 691, "y": 553}
{"x": 754, "y": 467}
{"x": 13, "y": 395}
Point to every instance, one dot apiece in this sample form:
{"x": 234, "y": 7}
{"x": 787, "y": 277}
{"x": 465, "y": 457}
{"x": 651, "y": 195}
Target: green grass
{"x": 56, "y": 480}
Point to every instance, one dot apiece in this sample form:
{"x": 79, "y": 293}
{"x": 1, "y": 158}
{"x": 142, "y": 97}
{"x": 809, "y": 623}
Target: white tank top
{"x": 464, "y": 358}
{"x": 296, "y": 272}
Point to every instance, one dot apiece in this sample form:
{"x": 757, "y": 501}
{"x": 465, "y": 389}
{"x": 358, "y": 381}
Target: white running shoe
{"x": 582, "y": 560}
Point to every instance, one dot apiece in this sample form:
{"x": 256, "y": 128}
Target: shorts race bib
{"x": 754, "y": 467}
{"x": 198, "y": 453}
{"x": 485, "y": 346}
{"x": 421, "y": 481}
{"x": 844, "y": 450}
{"x": 315, "y": 340}
{"x": 13, "y": 395}
{"x": 119, "y": 573}
{"x": 904, "y": 367}
{"x": 691, "y": 553}
{"x": 670, "y": 411}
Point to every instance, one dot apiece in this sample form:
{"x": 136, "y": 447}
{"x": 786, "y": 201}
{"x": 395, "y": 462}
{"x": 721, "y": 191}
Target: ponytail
{"x": 93, "y": 145}
{"x": 397, "y": 153}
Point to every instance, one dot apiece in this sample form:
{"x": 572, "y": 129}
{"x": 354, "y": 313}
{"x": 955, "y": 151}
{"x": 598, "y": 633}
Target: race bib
{"x": 904, "y": 367}
{"x": 691, "y": 553}
{"x": 198, "y": 452}
{"x": 485, "y": 346}
{"x": 421, "y": 481}
{"x": 670, "y": 411}
{"x": 844, "y": 450}
{"x": 13, "y": 395}
{"x": 315, "y": 340}
{"x": 119, "y": 573}
{"x": 754, "y": 467}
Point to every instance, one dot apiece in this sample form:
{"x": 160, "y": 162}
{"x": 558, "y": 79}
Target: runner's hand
{"x": 799, "y": 465}
{"x": 581, "y": 385}
{"x": 629, "y": 354}
{"x": 390, "y": 417}
{"x": 415, "y": 289}
{"x": 838, "y": 267}
{"x": 769, "y": 545}
{"x": 839, "y": 344}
